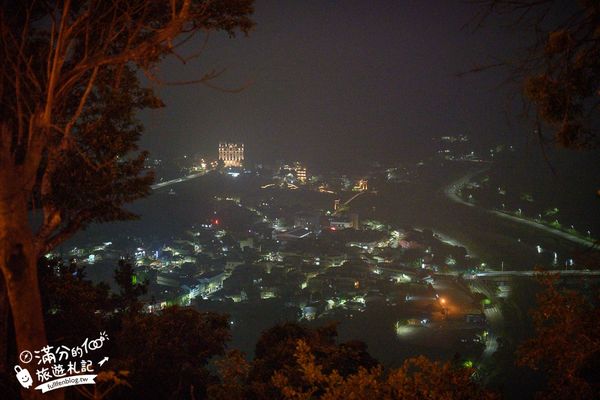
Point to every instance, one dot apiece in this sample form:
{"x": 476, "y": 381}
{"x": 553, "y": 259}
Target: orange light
{"x": 442, "y": 300}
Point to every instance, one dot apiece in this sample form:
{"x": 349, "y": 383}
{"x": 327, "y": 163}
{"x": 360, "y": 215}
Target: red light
{"x": 333, "y": 228}
{"x": 216, "y": 222}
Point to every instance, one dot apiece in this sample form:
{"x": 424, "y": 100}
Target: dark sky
{"x": 333, "y": 80}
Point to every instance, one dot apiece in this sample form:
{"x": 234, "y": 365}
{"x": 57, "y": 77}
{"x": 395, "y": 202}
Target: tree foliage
{"x": 70, "y": 88}
{"x": 155, "y": 355}
{"x": 169, "y": 359}
{"x": 566, "y": 344}
{"x": 233, "y": 372}
{"x": 275, "y": 352}
{"x": 418, "y": 378}
{"x": 129, "y": 291}
{"x": 295, "y": 362}
{"x": 74, "y": 307}
{"x": 560, "y": 68}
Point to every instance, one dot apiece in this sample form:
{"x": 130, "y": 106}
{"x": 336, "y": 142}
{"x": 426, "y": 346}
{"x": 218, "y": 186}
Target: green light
{"x": 133, "y": 280}
{"x": 468, "y": 364}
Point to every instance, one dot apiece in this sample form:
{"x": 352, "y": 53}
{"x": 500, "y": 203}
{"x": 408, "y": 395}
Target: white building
{"x": 232, "y": 154}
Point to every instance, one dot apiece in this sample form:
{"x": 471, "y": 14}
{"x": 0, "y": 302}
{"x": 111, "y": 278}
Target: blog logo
{"x": 62, "y": 366}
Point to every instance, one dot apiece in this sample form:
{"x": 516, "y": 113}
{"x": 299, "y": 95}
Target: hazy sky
{"x": 332, "y": 80}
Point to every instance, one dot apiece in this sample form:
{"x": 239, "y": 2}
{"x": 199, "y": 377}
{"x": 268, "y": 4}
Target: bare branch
{"x": 82, "y": 101}
{"x": 206, "y": 79}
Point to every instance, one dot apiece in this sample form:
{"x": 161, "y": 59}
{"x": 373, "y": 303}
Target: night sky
{"x": 337, "y": 80}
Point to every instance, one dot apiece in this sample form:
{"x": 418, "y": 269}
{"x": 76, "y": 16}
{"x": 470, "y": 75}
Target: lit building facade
{"x": 301, "y": 174}
{"x": 232, "y": 154}
{"x": 347, "y": 221}
{"x": 361, "y": 185}
{"x": 293, "y": 173}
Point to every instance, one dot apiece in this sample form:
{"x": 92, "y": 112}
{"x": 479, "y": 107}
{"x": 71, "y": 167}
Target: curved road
{"x": 451, "y": 192}
{"x": 494, "y": 314}
{"x": 177, "y": 180}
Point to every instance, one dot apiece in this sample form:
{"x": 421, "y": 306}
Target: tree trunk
{"x": 18, "y": 262}
{"x": 4, "y": 331}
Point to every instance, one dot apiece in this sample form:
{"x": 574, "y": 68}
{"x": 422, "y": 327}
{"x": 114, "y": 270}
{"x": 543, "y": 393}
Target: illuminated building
{"x": 301, "y": 174}
{"x": 336, "y": 204}
{"x": 339, "y": 224}
{"x": 361, "y": 185}
{"x": 199, "y": 165}
{"x": 348, "y": 221}
{"x": 232, "y": 154}
{"x": 210, "y": 282}
{"x": 309, "y": 221}
{"x": 167, "y": 279}
{"x": 293, "y": 173}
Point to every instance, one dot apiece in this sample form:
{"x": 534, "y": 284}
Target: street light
{"x": 444, "y": 309}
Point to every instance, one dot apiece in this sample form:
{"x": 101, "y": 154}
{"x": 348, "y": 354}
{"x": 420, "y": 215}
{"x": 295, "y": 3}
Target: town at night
{"x": 256, "y": 199}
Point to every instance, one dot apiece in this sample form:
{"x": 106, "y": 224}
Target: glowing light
{"x": 232, "y": 154}
{"x": 404, "y": 330}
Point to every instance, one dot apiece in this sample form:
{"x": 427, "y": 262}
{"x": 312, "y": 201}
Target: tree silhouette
{"x": 275, "y": 352}
{"x": 69, "y": 92}
{"x": 169, "y": 360}
{"x": 129, "y": 291}
{"x": 559, "y": 71}
{"x": 418, "y": 379}
{"x": 233, "y": 373}
{"x": 73, "y": 307}
{"x": 566, "y": 344}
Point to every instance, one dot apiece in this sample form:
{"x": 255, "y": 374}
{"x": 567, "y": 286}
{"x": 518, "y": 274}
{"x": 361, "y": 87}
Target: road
{"x": 458, "y": 301}
{"x": 451, "y": 189}
{"x": 451, "y": 192}
{"x": 530, "y": 273}
{"x": 177, "y": 180}
{"x": 493, "y": 316}
{"x": 556, "y": 232}
{"x": 582, "y": 272}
